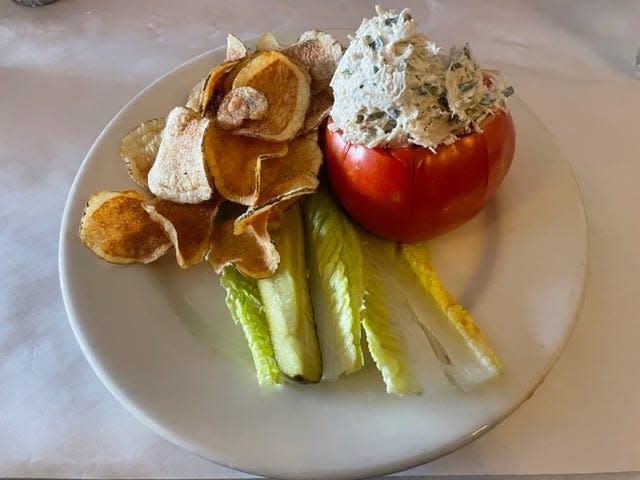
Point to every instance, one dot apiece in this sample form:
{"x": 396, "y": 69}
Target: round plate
{"x": 162, "y": 341}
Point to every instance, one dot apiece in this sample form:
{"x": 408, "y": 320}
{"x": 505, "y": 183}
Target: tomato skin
{"x": 411, "y": 193}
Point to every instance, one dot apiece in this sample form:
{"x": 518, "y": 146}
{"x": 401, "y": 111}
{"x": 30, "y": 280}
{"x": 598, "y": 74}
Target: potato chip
{"x": 318, "y": 111}
{"x": 247, "y": 134}
{"x": 286, "y": 87}
{"x": 267, "y": 41}
{"x": 235, "y": 48}
{"x": 293, "y": 172}
{"x": 319, "y": 53}
{"x": 180, "y": 172}
{"x": 213, "y": 89}
{"x": 241, "y": 103}
{"x": 274, "y": 208}
{"x": 252, "y": 252}
{"x": 116, "y": 228}
{"x": 227, "y": 83}
{"x": 286, "y": 178}
{"x": 139, "y": 149}
{"x": 195, "y": 94}
{"x": 188, "y": 226}
{"x": 235, "y": 163}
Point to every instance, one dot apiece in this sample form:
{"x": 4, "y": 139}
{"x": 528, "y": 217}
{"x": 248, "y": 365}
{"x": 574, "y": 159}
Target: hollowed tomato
{"x": 411, "y": 193}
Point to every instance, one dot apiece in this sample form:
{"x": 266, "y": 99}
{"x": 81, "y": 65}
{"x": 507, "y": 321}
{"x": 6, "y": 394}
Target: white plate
{"x": 163, "y": 343}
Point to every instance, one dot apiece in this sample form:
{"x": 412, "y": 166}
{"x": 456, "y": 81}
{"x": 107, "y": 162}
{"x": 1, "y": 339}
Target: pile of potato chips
{"x": 219, "y": 172}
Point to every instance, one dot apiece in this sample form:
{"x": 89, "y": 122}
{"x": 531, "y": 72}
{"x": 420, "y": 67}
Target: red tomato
{"x": 411, "y": 193}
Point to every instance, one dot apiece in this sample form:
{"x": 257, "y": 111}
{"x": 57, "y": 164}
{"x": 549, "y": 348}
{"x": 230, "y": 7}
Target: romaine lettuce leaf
{"x": 334, "y": 257}
{"x": 245, "y": 305}
{"x": 420, "y": 339}
{"x": 385, "y": 345}
{"x": 458, "y": 342}
{"x": 397, "y": 343}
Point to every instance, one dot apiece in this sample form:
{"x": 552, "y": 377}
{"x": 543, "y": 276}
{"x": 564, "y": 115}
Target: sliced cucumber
{"x": 287, "y": 302}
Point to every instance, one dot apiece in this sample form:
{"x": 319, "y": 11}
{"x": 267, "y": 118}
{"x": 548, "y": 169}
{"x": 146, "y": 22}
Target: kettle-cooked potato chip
{"x": 195, "y": 95}
{"x": 319, "y": 53}
{"x": 140, "y": 147}
{"x": 214, "y": 88}
{"x": 188, "y": 226}
{"x": 179, "y": 172}
{"x": 293, "y": 172}
{"x": 275, "y": 208}
{"x": 236, "y": 49}
{"x": 227, "y": 82}
{"x": 246, "y": 138}
{"x": 318, "y": 111}
{"x": 116, "y": 228}
{"x": 252, "y": 252}
{"x": 286, "y": 88}
{"x": 286, "y": 178}
{"x": 267, "y": 41}
{"x": 235, "y": 163}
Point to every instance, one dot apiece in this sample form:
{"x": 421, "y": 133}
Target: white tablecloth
{"x": 67, "y": 68}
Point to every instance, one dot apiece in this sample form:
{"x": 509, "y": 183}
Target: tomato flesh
{"x": 411, "y": 193}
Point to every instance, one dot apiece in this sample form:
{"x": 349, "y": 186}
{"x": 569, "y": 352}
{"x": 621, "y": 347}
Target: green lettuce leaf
{"x": 384, "y": 342}
{"x": 397, "y": 343}
{"x": 334, "y": 256}
{"x": 245, "y": 305}
{"x": 470, "y": 361}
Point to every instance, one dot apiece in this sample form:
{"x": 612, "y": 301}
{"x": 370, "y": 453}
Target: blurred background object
{"x": 34, "y": 3}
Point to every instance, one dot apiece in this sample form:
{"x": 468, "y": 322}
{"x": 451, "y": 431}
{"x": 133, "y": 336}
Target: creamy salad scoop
{"x": 394, "y": 87}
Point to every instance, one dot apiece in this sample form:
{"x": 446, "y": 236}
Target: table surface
{"x": 67, "y": 68}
